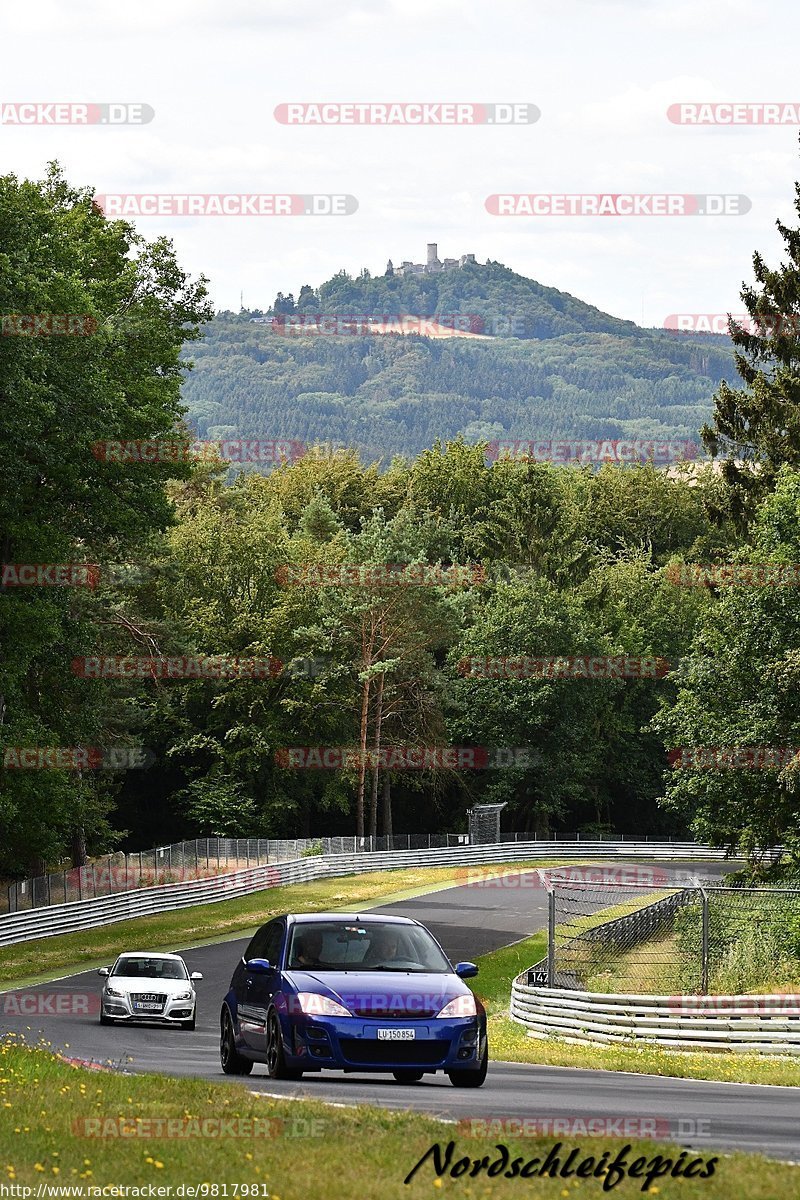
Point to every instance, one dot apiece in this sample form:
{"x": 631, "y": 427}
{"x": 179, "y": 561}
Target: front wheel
{"x": 276, "y": 1060}
{"x": 232, "y": 1061}
{"x": 104, "y": 1020}
{"x": 473, "y": 1078}
{"x": 408, "y": 1076}
{"x": 188, "y": 1024}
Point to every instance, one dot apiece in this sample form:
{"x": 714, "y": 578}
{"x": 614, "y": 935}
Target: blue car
{"x": 352, "y": 993}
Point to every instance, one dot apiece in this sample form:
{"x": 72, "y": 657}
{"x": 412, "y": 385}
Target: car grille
{"x": 363, "y": 1050}
{"x": 149, "y": 998}
{"x": 392, "y": 1012}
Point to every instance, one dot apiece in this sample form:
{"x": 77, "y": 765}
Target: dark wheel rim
{"x": 225, "y": 1042}
{"x": 273, "y": 1044}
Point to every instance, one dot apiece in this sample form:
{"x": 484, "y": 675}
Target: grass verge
{"x": 286, "y": 1149}
{"x": 509, "y": 1040}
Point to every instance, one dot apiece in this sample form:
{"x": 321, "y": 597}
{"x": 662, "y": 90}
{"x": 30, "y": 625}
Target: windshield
{"x": 372, "y": 946}
{"x": 150, "y": 968}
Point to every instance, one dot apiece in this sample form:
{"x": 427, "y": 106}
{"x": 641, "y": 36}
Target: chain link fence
{"x": 658, "y": 937}
{"x": 198, "y": 859}
{"x": 183, "y": 861}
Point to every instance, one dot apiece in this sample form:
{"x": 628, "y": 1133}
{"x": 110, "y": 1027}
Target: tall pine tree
{"x": 756, "y": 428}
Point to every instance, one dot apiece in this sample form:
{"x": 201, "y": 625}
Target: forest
{"x": 548, "y": 366}
{"x": 353, "y": 643}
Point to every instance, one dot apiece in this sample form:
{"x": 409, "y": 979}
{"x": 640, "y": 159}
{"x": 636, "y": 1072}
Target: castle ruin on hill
{"x": 433, "y": 265}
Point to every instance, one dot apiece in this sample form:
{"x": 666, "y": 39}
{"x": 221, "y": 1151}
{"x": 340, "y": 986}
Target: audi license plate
{"x": 396, "y": 1035}
{"x": 146, "y": 1005}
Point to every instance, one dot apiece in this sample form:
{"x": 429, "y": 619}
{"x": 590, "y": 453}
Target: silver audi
{"x": 149, "y": 987}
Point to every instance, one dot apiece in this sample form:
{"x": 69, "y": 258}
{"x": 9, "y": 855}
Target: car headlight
{"x": 182, "y": 996}
{"x": 462, "y": 1006}
{"x": 320, "y": 1006}
{"x": 113, "y": 992}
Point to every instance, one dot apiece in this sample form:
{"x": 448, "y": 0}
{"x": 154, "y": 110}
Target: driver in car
{"x": 385, "y": 947}
{"x": 308, "y": 949}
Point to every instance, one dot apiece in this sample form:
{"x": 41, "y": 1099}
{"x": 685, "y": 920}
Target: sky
{"x": 602, "y": 73}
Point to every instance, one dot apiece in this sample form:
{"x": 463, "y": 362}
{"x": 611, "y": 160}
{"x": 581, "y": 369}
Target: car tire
{"x": 104, "y": 1020}
{"x": 276, "y": 1060}
{"x": 233, "y": 1063}
{"x": 408, "y": 1076}
{"x": 188, "y": 1024}
{"x": 472, "y": 1078}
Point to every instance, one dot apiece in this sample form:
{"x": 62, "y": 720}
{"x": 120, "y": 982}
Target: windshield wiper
{"x": 404, "y": 970}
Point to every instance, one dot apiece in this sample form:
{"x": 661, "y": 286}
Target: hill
{"x": 546, "y": 366}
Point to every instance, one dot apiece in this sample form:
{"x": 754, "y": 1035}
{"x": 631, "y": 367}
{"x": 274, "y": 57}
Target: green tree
{"x": 756, "y": 428}
{"x": 739, "y": 688}
{"x": 59, "y": 397}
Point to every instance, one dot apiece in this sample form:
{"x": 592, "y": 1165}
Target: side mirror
{"x": 196, "y": 975}
{"x": 258, "y": 966}
{"x": 104, "y": 971}
{"x": 466, "y": 970}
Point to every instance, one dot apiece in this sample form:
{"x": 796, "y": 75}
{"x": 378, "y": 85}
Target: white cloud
{"x": 603, "y": 73}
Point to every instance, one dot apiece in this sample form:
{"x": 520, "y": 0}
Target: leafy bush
{"x": 753, "y": 943}
{"x": 312, "y": 850}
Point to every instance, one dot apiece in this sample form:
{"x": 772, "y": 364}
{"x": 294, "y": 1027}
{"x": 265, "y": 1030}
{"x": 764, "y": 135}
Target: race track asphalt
{"x": 468, "y": 920}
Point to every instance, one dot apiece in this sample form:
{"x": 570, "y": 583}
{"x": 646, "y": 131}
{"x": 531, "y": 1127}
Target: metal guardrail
{"x": 88, "y": 914}
{"x": 745, "y": 1024}
{"x": 179, "y": 862}
{"x": 764, "y": 1024}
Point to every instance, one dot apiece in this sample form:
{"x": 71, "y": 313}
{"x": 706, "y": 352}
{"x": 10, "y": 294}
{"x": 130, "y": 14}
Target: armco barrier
{"x": 88, "y": 914}
{"x": 740, "y": 1023}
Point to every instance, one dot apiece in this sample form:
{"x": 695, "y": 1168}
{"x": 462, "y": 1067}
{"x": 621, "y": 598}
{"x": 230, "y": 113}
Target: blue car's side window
{"x": 257, "y": 944}
{"x": 273, "y": 943}
{"x": 266, "y": 943}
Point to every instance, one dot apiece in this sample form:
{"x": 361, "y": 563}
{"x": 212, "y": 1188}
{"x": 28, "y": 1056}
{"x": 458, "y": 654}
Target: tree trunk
{"x": 79, "y": 855}
{"x": 387, "y": 809}
{"x": 373, "y": 803}
{"x": 541, "y": 824}
{"x": 362, "y": 765}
